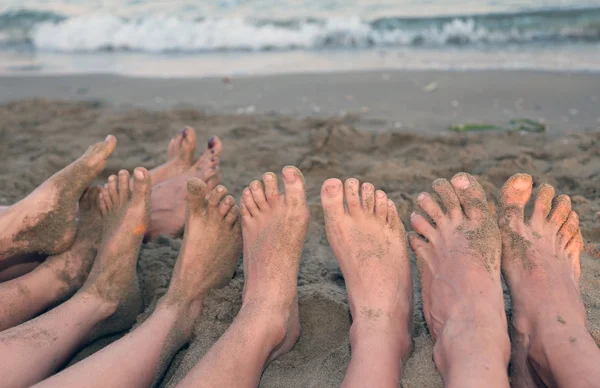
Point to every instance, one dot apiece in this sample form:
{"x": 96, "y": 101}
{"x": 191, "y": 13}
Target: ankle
{"x": 271, "y": 322}
{"x": 382, "y": 333}
{"x": 187, "y": 311}
{"x": 102, "y": 308}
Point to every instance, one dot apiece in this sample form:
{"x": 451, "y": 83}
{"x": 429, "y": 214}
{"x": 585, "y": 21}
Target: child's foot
{"x": 168, "y": 197}
{"x": 369, "y": 242}
{"x": 274, "y": 227}
{"x": 458, "y": 255}
{"x": 45, "y": 221}
{"x": 113, "y": 278}
{"x": 180, "y": 157}
{"x": 212, "y": 244}
{"x": 540, "y": 261}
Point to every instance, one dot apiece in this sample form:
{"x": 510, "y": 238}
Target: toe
{"x": 351, "y": 194}
{"x": 142, "y": 185}
{"x": 123, "y": 186}
{"x": 381, "y": 205}
{"x": 470, "y": 195}
{"x": 215, "y": 145}
{"x": 367, "y": 194}
{"x": 258, "y": 193}
{"x": 393, "y": 219}
{"x": 513, "y": 198}
{"x": 171, "y": 150}
{"x": 271, "y": 186}
{"x": 232, "y": 215}
{"x": 560, "y": 211}
{"x": 542, "y": 205}
{"x": 101, "y": 204}
{"x": 293, "y": 185}
{"x": 113, "y": 190}
{"x": 422, "y": 226}
{"x": 573, "y": 249}
{"x": 248, "y": 201}
{"x": 226, "y": 205}
{"x": 188, "y": 146}
{"x": 421, "y": 248}
{"x": 216, "y": 196}
{"x": 445, "y": 191}
{"x": 332, "y": 199}
{"x": 99, "y": 152}
{"x": 177, "y": 146}
{"x": 568, "y": 230}
{"x": 431, "y": 208}
{"x": 196, "y": 193}
{"x": 106, "y": 197}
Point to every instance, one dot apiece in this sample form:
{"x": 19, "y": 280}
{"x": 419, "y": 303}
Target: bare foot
{"x": 45, "y": 220}
{"x": 180, "y": 157}
{"x": 168, "y": 197}
{"x": 212, "y": 245}
{"x": 459, "y": 265}
{"x": 113, "y": 278}
{"x": 369, "y": 243}
{"x": 540, "y": 261}
{"x": 274, "y": 227}
{"x": 73, "y": 266}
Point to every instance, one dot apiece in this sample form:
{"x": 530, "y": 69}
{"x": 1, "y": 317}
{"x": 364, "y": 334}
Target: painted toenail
{"x": 461, "y": 181}
{"x": 211, "y": 142}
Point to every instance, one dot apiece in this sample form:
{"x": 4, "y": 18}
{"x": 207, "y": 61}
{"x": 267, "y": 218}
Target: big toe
{"x": 514, "y": 197}
{"x": 470, "y": 195}
{"x": 142, "y": 185}
{"x": 293, "y": 184}
{"x": 99, "y": 152}
{"x": 188, "y": 146}
{"x": 332, "y": 199}
{"x": 196, "y": 193}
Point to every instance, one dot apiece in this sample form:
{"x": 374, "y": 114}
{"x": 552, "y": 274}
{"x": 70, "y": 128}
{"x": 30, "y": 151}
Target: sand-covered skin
{"x": 402, "y": 164}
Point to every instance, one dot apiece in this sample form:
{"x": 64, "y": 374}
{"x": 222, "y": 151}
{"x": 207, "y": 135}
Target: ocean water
{"x": 230, "y": 37}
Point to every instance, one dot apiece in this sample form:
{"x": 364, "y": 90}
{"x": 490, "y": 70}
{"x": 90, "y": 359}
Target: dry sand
{"x": 39, "y": 137}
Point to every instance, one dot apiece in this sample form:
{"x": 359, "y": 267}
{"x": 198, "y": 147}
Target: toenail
{"x": 211, "y": 142}
{"x": 184, "y": 133}
{"x": 138, "y": 174}
{"x": 212, "y": 159}
{"x": 220, "y": 188}
{"x": 333, "y": 189}
{"x": 255, "y": 185}
{"x": 247, "y": 192}
{"x": 413, "y": 214}
{"x": 380, "y": 194}
{"x": 290, "y": 177}
{"x": 107, "y": 138}
{"x": 461, "y": 181}
{"x": 421, "y": 196}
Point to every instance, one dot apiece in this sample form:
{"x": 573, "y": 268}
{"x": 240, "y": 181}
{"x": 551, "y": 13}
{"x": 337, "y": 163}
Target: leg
{"x": 369, "y": 242}
{"x": 45, "y": 220}
{"x": 540, "y": 261}
{"x": 211, "y": 248}
{"x": 168, "y": 197}
{"x": 274, "y": 226}
{"x": 108, "y": 302}
{"x": 16, "y": 266}
{"x": 459, "y": 264}
{"x": 59, "y": 276}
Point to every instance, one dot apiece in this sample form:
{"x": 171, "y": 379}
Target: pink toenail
{"x": 413, "y": 214}
{"x": 290, "y": 177}
{"x": 421, "y": 196}
{"x": 461, "y": 181}
{"x": 107, "y": 138}
{"x": 332, "y": 190}
{"x": 139, "y": 174}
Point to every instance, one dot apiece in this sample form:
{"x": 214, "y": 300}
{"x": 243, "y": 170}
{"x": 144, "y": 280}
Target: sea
{"x": 201, "y": 38}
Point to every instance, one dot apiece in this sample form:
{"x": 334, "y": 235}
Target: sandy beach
{"x": 389, "y": 128}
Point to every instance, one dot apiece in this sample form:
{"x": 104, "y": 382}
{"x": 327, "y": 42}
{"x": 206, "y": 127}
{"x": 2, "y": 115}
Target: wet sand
{"x": 38, "y": 137}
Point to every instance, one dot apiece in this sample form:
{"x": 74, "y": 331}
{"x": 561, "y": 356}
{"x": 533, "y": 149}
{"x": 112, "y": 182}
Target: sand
{"x": 38, "y": 137}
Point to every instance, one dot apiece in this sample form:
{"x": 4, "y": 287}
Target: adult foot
{"x": 72, "y": 267}
{"x": 274, "y": 227}
{"x": 45, "y": 220}
{"x": 458, "y": 255}
{"x": 540, "y": 261}
{"x": 168, "y": 197}
{"x": 212, "y": 245}
{"x": 113, "y": 278}
{"x": 180, "y": 157}
{"x": 369, "y": 242}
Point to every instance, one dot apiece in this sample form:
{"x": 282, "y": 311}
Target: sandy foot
{"x": 458, "y": 255}
{"x": 45, "y": 220}
{"x": 212, "y": 245}
{"x": 540, "y": 261}
{"x": 168, "y": 197}
{"x": 369, "y": 243}
{"x": 113, "y": 277}
{"x": 274, "y": 227}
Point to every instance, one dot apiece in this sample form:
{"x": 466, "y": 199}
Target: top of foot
{"x": 45, "y": 220}
{"x": 274, "y": 227}
{"x": 369, "y": 242}
{"x": 113, "y": 278}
